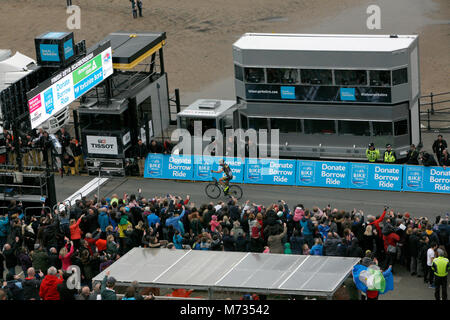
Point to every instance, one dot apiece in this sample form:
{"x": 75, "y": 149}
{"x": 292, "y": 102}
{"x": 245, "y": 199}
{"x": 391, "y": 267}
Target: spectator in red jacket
{"x": 75, "y": 231}
{"x": 377, "y": 222}
{"x": 390, "y": 247}
{"x": 48, "y": 289}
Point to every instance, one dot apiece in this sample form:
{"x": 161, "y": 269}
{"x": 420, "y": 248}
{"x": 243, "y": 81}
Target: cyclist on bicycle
{"x": 227, "y": 177}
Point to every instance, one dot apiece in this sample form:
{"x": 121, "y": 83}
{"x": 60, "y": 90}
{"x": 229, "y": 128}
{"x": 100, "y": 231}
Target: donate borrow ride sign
{"x": 322, "y": 174}
{"x": 270, "y": 171}
{"x": 204, "y": 164}
{"x": 426, "y": 179}
{"x": 375, "y": 176}
{"x": 163, "y": 166}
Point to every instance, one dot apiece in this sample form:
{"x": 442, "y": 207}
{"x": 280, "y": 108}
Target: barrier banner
{"x": 375, "y": 176}
{"x": 322, "y": 174}
{"x": 164, "y": 166}
{"x": 204, "y": 164}
{"x": 426, "y": 179}
{"x": 270, "y": 171}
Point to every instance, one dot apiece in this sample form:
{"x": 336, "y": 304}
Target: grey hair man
{"x": 85, "y": 294}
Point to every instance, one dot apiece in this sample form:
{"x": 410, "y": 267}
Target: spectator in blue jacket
{"x": 317, "y": 248}
{"x": 103, "y": 219}
{"x": 153, "y": 219}
{"x": 175, "y": 221}
{"x": 307, "y": 228}
{"x": 297, "y": 242}
{"x": 4, "y": 223}
{"x": 178, "y": 240}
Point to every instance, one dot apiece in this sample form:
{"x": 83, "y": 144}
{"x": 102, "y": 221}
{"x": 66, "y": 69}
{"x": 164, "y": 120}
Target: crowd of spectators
{"x": 413, "y": 156}
{"x": 93, "y": 234}
{"x": 63, "y": 153}
{"x": 38, "y": 148}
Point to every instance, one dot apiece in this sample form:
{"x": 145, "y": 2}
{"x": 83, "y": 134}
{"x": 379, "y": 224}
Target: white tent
{"x": 13, "y": 68}
{"x": 232, "y": 271}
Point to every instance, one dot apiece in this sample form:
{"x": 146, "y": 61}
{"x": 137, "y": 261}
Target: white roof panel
{"x": 324, "y": 42}
{"x": 196, "y": 110}
{"x": 232, "y": 271}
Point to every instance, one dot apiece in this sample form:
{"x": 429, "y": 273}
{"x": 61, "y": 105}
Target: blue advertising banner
{"x": 88, "y": 83}
{"x": 375, "y": 176}
{"x": 204, "y": 164}
{"x": 270, "y": 171}
{"x": 426, "y": 179}
{"x": 49, "y": 52}
{"x": 348, "y": 94}
{"x": 163, "y": 166}
{"x": 68, "y": 49}
{"x": 48, "y": 101}
{"x": 322, "y": 174}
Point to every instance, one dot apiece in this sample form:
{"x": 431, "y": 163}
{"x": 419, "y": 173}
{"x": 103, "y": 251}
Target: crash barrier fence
{"x": 311, "y": 173}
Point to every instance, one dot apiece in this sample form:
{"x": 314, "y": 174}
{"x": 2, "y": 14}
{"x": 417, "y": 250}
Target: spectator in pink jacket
{"x": 65, "y": 254}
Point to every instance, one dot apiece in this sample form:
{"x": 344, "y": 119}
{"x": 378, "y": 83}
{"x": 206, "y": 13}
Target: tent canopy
{"x": 232, "y": 271}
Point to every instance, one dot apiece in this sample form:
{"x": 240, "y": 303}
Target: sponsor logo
{"x": 68, "y": 49}
{"x": 287, "y": 92}
{"x": 49, "y": 52}
{"x": 107, "y": 57}
{"x": 348, "y": 94}
{"x": 360, "y": 175}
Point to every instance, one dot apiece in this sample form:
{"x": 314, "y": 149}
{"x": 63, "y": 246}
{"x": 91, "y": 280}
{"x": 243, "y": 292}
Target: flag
{"x": 371, "y": 278}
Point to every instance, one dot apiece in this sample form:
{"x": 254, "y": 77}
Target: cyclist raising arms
{"x": 227, "y": 177}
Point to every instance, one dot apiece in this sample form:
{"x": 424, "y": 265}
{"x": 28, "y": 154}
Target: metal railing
{"x": 435, "y": 115}
{"x": 45, "y": 208}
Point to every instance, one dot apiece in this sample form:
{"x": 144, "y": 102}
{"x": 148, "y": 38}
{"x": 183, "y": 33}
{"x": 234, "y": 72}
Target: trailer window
{"x": 355, "y": 128}
{"x": 238, "y": 74}
{"x": 254, "y": 75}
{"x": 289, "y": 76}
{"x": 401, "y": 127}
{"x": 316, "y": 76}
{"x": 257, "y": 123}
{"x": 380, "y": 78}
{"x": 350, "y": 77}
{"x": 382, "y": 128}
{"x": 399, "y": 76}
{"x": 319, "y": 126}
{"x": 286, "y": 125}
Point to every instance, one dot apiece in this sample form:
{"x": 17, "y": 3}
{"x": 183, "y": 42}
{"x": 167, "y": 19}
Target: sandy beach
{"x": 200, "y": 33}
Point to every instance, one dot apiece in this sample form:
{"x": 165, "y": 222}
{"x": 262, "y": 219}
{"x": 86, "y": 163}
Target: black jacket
{"x": 31, "y": 288}
{"x": 64, "y": 139}
{"x": 438, "y": 147}
{"x": 76, "y": 149}
{"x": 428, "y": 160}
{"x": 54, "y": 261}
{"x": 412, "y": 157}
{"x": 413, "y": 245}
{"x": 141, "y": 151}
{"x": 66, "y": 293}
{"x": 70, "y": 161}
{"x": 10, "y": 256}
{"x": 241, "y": 244}
{"x": 157, "y": 148}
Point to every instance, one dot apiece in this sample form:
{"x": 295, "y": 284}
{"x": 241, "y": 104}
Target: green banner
{"x": 87, "y": 69}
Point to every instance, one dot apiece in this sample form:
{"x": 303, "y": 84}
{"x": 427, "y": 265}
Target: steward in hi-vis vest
{"x": 372, "y": 154}
{"x": 440, "y": 267}
{"x": 389, "y": 155}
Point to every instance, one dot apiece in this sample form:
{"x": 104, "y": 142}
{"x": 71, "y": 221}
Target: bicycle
{"x": 214, "y": 190}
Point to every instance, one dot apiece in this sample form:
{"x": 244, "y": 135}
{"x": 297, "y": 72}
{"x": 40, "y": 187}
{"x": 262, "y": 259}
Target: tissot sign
{"x": 56, "y": 93}
{"x": 102, "y": 145}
